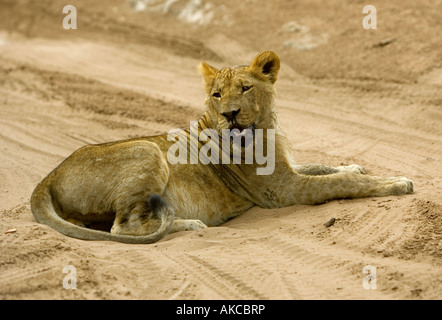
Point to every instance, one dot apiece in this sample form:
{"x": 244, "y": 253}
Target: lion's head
{"x": 241, "y": 97}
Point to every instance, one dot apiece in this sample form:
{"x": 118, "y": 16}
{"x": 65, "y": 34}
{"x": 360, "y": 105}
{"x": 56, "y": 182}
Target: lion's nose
{"x": 231, "y": 114}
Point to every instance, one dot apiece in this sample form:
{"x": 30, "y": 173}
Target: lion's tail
{"x": 43, "y": 210}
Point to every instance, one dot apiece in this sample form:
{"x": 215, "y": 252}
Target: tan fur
{"x": 113, "y": 182}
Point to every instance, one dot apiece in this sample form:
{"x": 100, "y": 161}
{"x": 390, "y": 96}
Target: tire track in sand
{"x": 222, "y": 283}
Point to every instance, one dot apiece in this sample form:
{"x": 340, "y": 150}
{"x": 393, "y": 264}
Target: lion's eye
{"x": 217, "y": 95}
{"x": 246, "y": 88}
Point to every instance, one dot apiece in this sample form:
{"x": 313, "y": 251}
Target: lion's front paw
{"x": 402, "y": 186}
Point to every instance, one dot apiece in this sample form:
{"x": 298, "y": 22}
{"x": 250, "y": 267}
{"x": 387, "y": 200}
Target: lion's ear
{"x": 209, "y": 73}
{"x": 267, "y": 64}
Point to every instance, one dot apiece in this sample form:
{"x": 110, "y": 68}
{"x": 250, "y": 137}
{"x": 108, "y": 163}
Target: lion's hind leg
{"x": 187, "y": 225}
{"x": 139, "y": 223}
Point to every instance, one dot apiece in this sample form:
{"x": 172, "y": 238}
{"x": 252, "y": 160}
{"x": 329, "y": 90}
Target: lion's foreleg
{"x": 319, "y": 169}
{"x": 314, "y": 189}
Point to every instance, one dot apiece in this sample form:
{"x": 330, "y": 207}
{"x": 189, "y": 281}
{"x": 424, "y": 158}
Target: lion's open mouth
{"x": 242, "y": 135}
{"x": 243, "y": 129}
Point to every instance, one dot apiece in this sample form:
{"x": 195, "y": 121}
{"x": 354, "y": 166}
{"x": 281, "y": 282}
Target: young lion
{"x": 132, "y": 184}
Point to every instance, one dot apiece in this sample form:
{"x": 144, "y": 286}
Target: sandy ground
{"x": 345, "y": 95}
